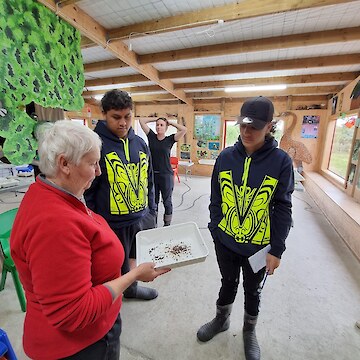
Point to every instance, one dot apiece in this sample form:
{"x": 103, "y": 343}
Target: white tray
{"x": 171, "y": 246}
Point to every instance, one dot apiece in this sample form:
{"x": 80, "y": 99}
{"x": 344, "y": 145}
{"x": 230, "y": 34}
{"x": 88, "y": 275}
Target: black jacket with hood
{"x": 124, "y": 191}
{"x": 250, "y": 205}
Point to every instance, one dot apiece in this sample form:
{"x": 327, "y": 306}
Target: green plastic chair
{"x": 6, "y": 223}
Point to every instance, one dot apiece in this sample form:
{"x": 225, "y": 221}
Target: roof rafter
{"x": 247, "y": 46}
{"x": 313, "y": 62}
{"x": 289, "y": 91}
{"x": 241, "y": 10}
{"x": 105, "y": 65}
{"x": 296, "y": 79}
{"x": 279, "y": 42}
{"x": 116, "y": 80}
{"x": 93, "y": 30}
{"x": 132, "y": 90}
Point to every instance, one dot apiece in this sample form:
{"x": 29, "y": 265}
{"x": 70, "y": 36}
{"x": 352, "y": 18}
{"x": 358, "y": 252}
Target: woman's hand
{"x": 272, "y": 262}
{"x": 147, "y": 271}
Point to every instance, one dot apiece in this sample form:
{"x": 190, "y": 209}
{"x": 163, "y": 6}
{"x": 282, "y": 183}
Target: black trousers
{"x": 230, "y": 265}
{"x": 107, "y": 348}
{"x": 164, "y": 185}
{"x": 127, "y": 237}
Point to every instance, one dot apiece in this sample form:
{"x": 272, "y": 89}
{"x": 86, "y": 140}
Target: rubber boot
{"x": 167, "y": 219}
{"x": 134, "y": 291}
{"x": 251, "y": 346}
{"x": 220, "y": 323}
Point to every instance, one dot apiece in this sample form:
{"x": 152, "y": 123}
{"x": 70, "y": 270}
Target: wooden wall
{"x": 228, "y": 109}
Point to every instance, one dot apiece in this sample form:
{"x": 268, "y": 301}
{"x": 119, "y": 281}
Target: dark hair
{"x": 117, "y": 100}
{"x": 163, "y": 119}
{"x": 272, "y": 131}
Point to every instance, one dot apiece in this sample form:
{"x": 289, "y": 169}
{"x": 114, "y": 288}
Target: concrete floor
{"x": 308, "y": 310}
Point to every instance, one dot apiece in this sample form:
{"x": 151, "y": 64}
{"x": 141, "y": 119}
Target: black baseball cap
{"x": 257, "y": 112}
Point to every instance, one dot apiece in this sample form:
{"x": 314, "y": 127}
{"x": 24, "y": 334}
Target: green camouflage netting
{"x": 40, "y": 61}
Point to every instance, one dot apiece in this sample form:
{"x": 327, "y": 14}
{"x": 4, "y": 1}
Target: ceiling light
{"x": 255, "y": 88}
{"x": 98, "y": 97}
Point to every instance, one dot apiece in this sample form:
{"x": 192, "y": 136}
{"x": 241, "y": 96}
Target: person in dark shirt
{"x": 250, "y": 208}
{"x": 160, "y": 147}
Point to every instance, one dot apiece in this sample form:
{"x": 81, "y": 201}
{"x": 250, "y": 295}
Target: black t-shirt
{"x": 160, "y": 152}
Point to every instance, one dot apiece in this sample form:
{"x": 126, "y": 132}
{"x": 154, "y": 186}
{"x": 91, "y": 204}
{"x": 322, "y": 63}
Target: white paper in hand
{"x": 258, "y": 260}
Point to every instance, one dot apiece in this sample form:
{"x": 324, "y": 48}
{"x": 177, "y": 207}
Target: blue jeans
{"x": 107, "y": 348}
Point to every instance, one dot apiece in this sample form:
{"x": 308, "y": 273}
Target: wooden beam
{"x": 248, "y": 46}
{"x": 296, "y": 79}
{"x": 63, "y": 3}
{"x": 132, "y": 90}
{"x": 86, "y": 43}
{"x": 289, "y": 91}
{"x": 155, "y": 97}
{"x": 161, "y": 102}
{"x": 116, "y": 80}
{"x": 317, "y": 93}
{"x": 314, "y": 98}
{"x": 104, "y": 65}
{"x": 336, "y": 60}
{"x": 240, "y": 10}
{"x": 96, "y": 32}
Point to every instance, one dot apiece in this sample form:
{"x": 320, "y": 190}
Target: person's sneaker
{"x": 141, "y": 293}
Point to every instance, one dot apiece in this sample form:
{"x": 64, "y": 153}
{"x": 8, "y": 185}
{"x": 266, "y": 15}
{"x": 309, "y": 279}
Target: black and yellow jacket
{"x": 124, "y": 191}
{"x": 250, "y": 205}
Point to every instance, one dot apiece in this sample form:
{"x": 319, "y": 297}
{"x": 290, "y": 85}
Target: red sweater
{"x": 64, "y": 253}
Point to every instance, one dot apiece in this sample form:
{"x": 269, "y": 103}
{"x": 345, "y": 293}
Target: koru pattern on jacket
{"x": 246, "y": 210}
{"x": 128, "y": 184}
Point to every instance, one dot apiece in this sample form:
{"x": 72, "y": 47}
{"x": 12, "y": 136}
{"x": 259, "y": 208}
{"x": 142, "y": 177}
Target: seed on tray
{"x": 167, "y": 251}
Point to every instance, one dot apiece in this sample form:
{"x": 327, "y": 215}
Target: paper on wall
{"x": 258, "y": 260}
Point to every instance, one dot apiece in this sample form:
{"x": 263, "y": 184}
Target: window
{"x": 341, "y": 145}
{"x": 231, "y": 133}
{"x": 279, "y": 130}
{"x": 80, "y": 121}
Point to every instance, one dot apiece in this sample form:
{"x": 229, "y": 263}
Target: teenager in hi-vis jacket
{"x": 124, "y": 192}
{"x": 250, "y": 207}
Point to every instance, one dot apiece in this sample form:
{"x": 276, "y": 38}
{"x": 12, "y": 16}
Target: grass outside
{"x": 338, "y": 163}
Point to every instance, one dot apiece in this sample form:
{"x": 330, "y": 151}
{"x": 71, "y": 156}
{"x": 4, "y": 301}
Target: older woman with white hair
{"x": 68, "y": 258}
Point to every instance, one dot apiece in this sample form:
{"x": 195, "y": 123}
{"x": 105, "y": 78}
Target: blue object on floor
{"x": 28, "y": 168}
{"x": 5, "y": 346}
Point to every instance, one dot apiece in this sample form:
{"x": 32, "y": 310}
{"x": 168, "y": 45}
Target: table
{"x": 186, "y": 164}
{"x": 23, "y": 183}
{"x": 6, "y": 169}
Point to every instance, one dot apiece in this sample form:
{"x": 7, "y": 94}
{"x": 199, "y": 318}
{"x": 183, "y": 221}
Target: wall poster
{"x": 310, "y": 126}
{"x": 207, "y": 135}
{"x": 207, "y": 127}
{"x": 185, "y": 151}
